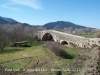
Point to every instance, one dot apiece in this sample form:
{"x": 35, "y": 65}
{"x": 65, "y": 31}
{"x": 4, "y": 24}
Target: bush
{"x": 72, "y": 44}
{"x": 94, "y": 45}
{"x": 97, "y": 34}
{"x": 31, "y": 42}
{"x": 58, "y": 73}
{"x": 57, "y": 50}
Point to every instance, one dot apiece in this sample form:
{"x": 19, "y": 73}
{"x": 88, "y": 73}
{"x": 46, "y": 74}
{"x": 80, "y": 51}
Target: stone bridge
{"x": 67, "y": 39}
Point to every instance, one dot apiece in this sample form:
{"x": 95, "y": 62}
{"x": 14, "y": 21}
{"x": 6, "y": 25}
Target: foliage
{"x": 16, "y": 33}
{"x": 87, "y": 72}
{"x": 94, "y": 45}
{"x": 97, "y": 34}
{"x": 4, "y": 38}
{"x": 62, "y": 25}
{"x": 57, "y": 50}
{"x": 72, "y": 44}
{"x": 59, "y": 73}
{"x": 33, "y": 42}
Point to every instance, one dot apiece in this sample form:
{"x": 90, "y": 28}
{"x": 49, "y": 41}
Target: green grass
{"x": 87, "y": 35}
{"x": 15, "y": 55}
{"x": 12, "y": 57}
{"x": 15, "y": 64}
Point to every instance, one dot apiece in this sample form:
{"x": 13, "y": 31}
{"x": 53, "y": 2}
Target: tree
{"x": 56, "y": 28}
{"x": 4, "y": 38}
{"x": 16, "y": 33}
{"x": 66, "y": 30}
{"x": 71, "y": 29}
{"x": 97, "y": 34}
{"x": 87, "y": 30}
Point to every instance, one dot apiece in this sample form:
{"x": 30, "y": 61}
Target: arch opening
{"x": 64, "y": 43}
{"x": 47, "y": 37}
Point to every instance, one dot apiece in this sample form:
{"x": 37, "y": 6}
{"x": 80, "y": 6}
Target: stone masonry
{"x": 69, "y": 38}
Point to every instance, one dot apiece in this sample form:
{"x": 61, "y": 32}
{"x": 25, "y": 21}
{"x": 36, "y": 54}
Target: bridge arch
{"x": 47, "y": 37}
{"x": 64, "y": 43}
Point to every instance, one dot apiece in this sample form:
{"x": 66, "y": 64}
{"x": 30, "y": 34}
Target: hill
{"x": 9, "y": 20}
{"x": 4, "y": 20}
{"x": 51, "y": 25}
{"x": 61, "y": 25}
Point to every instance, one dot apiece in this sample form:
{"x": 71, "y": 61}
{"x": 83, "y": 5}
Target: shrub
{"x": 94, "y": 45}
{"x": 72, "y": 44}
{"x": 86, "y": 72}
{"x": 57, "y": 50}
{"x": 97, "y": 34}
{"x": 58, "y": 73}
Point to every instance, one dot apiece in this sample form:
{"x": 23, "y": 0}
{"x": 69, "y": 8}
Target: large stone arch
{"x": 47, "y": 37}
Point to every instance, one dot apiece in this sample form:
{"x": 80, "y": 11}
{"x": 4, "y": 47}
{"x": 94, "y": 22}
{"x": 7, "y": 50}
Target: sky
{"x": 40, "y": 12}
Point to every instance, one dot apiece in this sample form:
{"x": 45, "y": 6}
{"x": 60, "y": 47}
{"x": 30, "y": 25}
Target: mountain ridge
{"x": 9, "y": 20}
{"x": 2, "y": 21}
{"x": 62, "y": 25}
{"x": 5, "y": 20}
{"x": 50, "y": 25}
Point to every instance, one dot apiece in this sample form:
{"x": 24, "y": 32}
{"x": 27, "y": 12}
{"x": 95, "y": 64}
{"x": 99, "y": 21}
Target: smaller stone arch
{"x": 64, "y": 43}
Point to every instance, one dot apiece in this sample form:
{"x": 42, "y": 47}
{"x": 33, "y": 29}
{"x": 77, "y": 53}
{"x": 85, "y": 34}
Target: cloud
{"x": 5, "y": 6}
{"x": 35, "y": 4}
{"x": 30, "y": 3}
{"x": 11, "y": 8}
